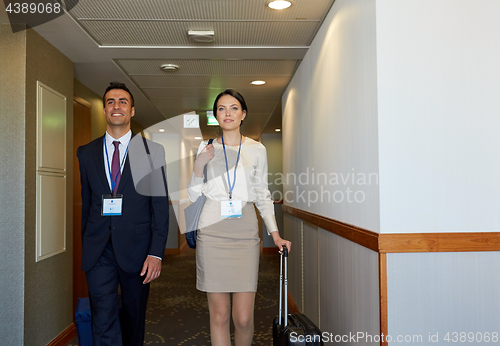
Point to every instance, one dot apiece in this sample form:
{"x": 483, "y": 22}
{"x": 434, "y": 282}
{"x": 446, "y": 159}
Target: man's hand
{"x": 152, "y": 266}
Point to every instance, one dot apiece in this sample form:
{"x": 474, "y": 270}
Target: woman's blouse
{"x": 251, "y": 178}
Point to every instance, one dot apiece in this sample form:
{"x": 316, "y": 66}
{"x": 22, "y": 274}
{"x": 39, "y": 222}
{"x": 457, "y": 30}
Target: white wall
{"x": 171, "y": 144}
{"x": 439, "y": 123}
{"x": 188, "y": 155}
{"x": 411, "y": 87}
{"x": 443, "y": 292}
{"x": 180, "y": 157}
{"x": 330, "y": 120}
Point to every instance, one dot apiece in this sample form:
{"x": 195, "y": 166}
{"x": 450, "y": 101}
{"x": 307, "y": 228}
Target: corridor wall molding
{"x": 402, "y": 242}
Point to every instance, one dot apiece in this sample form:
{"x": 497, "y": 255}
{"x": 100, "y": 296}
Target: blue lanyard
{"x": 231, "y": 187}
{"x": 113, "y": 181}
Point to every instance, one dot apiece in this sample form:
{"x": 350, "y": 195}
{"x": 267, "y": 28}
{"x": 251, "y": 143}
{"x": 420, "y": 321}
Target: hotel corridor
{"x": 177, "y": 313}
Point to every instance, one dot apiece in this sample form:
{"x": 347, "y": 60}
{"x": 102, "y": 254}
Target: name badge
{"x": 112, "y": 205}
{"x": 230, "y": 209}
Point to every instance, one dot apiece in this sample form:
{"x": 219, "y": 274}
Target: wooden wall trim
{"x": 402, "y": 242}
{"x": 439, "y": 242}
{"x": 358, "y": 235}
{"x": 65, "y": 337}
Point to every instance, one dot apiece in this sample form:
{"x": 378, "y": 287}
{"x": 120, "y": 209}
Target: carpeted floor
{"x": 178, "y": 314}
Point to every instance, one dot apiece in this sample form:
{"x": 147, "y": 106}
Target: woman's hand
{"x": 279, "y": 242}
{"x": 205, "y": 156}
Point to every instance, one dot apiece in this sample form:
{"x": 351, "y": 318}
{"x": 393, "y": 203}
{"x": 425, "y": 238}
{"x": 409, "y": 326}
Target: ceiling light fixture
{"x": 169, "y": 67}
{"x": 278, "y": 130}
{"x": 201, "y": 36}
{"x": 279, "y": 4}
{"x": 258, "y": 82}
{"x": 198, "y": 137}
{"x": 161, "y": 130}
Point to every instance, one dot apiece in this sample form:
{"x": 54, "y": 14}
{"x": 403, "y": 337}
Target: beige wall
{"x": 49, "y": 283}
{"x": 37, "y": 301}
{"x": 12, "y": 188}
{"x": 98, "y": 122}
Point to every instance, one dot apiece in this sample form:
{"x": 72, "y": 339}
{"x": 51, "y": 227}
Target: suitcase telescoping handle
{"x": 284, "y": 254}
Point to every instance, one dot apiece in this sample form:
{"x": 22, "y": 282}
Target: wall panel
{"x": 311, "y": 276}
{"x": 349, "y": 291}
{"x": 293, "y": 232}
{"x": 443, "y": 292}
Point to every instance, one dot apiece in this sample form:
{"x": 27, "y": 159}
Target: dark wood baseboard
{"x": 65, "y": 337}
{"x": 269, "y": 250}
{"x": 183, "y": 246}
{"x": 172, "y": 252}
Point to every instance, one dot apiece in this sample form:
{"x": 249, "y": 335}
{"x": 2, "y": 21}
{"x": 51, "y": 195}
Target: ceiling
{"x": 128, "y": 41}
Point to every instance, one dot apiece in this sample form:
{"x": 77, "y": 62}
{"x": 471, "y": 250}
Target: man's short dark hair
{"x": 117, "y": 85}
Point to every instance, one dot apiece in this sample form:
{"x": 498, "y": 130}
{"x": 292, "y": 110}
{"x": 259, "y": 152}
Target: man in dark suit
{"x": 124, "y": 224}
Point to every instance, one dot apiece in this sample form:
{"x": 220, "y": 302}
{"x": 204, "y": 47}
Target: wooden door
{"x": 82, "y": 134}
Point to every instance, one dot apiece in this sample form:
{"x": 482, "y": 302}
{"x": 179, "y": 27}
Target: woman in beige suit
{"x": 228, "y": 243}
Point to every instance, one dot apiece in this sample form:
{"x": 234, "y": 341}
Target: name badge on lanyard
{"x": 230, "y": 209}
{"x": 112, "y": 205}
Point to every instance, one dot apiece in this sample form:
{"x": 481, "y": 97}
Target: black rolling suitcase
{"x": 298, "y": 329}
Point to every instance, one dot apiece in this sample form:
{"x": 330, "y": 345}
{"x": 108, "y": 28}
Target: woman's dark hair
{"x": 117, "y": 85}
{"x": 234, "y": 94}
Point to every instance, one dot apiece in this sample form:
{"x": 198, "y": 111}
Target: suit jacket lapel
{"x": 125, "y": 175}
{"x": 99, "y": 164}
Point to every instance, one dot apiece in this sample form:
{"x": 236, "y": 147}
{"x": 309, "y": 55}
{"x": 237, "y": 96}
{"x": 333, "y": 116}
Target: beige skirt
{"x": 227, "y": 250}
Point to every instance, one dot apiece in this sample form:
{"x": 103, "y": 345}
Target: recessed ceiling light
{"x": 278, "y": 130}
{"x": 169, "y": 67}
{"x": 279, "y": 4}
{"x": 197, "y": 137}
{"x": 201, "y": 36}
{"x": 258, "y": 82}
{"x": 161, "y": 130}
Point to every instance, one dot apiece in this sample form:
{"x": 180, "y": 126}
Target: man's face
{"x": 118, "y": 108}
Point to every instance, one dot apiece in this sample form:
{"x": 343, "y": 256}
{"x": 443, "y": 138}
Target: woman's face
{"x": 229, "y": 113}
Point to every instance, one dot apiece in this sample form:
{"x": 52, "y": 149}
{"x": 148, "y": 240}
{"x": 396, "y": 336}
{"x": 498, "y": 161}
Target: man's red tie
{"x": 115, "y": 166}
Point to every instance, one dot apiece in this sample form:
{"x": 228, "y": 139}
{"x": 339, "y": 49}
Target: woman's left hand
{"x": 279, "y": 242}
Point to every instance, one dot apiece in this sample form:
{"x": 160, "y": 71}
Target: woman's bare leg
{"x": 243, "y": 310}
{"x": 219, "y": 306}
